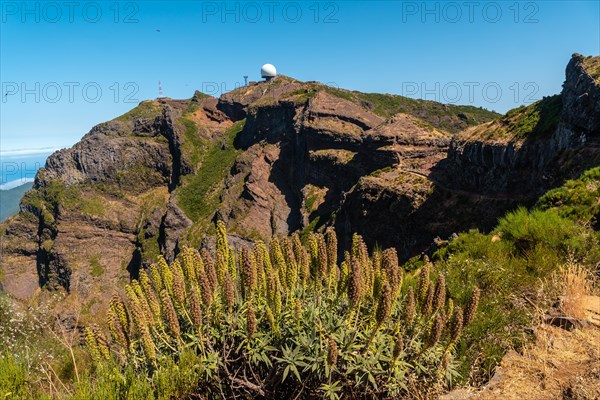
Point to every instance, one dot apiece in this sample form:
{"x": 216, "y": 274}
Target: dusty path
{"x": 478, "y": 196}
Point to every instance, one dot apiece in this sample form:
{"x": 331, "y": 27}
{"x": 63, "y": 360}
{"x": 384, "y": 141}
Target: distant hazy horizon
{"x": 18, "y": 169}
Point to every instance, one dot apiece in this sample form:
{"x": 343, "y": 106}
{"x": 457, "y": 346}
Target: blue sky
{"x": 447, "y": 51}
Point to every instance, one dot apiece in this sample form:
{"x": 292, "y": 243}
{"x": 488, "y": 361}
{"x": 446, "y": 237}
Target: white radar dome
{"x": 268, "y": 71}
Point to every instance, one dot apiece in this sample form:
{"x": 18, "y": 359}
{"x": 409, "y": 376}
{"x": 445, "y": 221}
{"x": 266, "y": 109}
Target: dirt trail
{"x": 497, "y": 196}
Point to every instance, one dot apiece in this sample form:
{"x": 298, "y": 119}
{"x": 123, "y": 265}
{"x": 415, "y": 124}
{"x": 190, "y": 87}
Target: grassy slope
{"x": 199, "y": 194}
{"x": 537, "y": 120}
{"x": 592, "y": 66}
{"x": 446, "y": 117}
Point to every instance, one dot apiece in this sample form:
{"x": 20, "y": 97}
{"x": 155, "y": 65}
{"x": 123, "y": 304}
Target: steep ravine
{"x": 273, "y": 158}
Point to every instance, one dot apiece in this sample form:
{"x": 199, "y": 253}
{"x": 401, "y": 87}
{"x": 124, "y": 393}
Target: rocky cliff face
{"x": 276, "y": 157}
{"x": 520, "y": 154}
{"x": 489, "y": 169}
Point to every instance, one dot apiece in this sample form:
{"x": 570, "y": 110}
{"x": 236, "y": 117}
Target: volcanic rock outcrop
{"x": 280, "y": 156}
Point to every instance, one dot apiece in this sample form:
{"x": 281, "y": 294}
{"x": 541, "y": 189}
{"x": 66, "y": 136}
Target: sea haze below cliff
{"x": 10, "y": 199}
{"x": 18, "y": 171}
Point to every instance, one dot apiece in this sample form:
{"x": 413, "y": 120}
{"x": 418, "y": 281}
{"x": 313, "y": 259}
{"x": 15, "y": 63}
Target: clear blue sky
{"x": 425, "y": 50}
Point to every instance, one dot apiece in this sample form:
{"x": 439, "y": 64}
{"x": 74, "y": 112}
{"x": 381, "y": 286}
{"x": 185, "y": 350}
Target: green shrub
{"x": 576, "y": 199}
{"x": 548, "y": 229}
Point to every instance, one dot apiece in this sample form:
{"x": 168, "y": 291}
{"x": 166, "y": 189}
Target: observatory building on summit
{"x": 268, "y": 72}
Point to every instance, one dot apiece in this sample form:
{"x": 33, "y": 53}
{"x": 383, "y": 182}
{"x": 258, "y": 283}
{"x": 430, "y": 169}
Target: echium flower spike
{"x": 457, "y": 324}
{"x": 137, "y": 314}
{"x": 303, "y": 267}
{"x": 117, "y": 332}
{"x": 205, "y": 289}
{"x": 427, "y": 306}
{"x": 260, "y": 267}
{"x": 101, "y": 342}
{"x": 271, "y": 319}
{"x": 313, "y": 252}
{"x": 450, "y": 308}
{"x": 229, "y": 292}
{"x": 211, "y": 274}
{"x": 344, "y": 276}
{"x": 279, "y": 262}
{"x": 195, "y": 308}
{"x": 166, "y": 274}
{"x": 291, "y": 274}
{"x": 332, "y": 247}
{"x": 377, "y": 259}
{"x": 297, "y": 310}
{"x": 220, "y": 267}
{"x": 322, "y": 263}
{"x": 439, "y": 297}
{"x": 186, "y": 259}
{"x": 409, "y": 308}
{"x": 148, "y": 345}
{"x": 384, "y": 309}
{"x": 170, "y": 314}
{"x": 248, "y": 272}
{"x": 178, "y": 284}
{"x": 367, "y": 274}
{"x": 121, "y": 312}
{"x": 270, "y": 286}
{"x": 154, "y": 304}
{"x": 390, "y": 267}
{"x": 355, "y": 245}
{"x": 332, "y": 353}
{"x": 398, "y": 346}
{"x": 287, "y": 248}
{"x": 155, "y": 278}
{"x": 144, "y": 279}
{"x": 277, "y": 301}
{"x": 92, "y": 345}
{"x": 424, "y": 282}
{"x": 436, "y": 330}
{"x": 150, "y": 296}
{"x": 198, "y": 265}
{"x": 251, "y": 321}
{"x": 140, "y": 323}
{"x": 207, "y": 261}
{"x": 143, "y": 302}
{"x": 266, "y": 257}
{"x": 472, "y": 306}
{"x": 222, "y": 245}
{"x": 297, "y": 246}
{"x": 355, "y": 287}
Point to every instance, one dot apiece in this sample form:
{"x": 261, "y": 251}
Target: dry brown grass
{"x": 559, "y": 364}
{"x": 574, "y": 284}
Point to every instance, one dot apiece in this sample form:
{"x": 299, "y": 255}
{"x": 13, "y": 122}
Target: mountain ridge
{"x": 273, "y": 158}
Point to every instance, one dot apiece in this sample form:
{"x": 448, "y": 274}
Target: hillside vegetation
{"x": 537, "y": 120}
{"x": 295, "y": 318}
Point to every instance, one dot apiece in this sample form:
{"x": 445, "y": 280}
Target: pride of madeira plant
{"x": 288, "y": 320}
